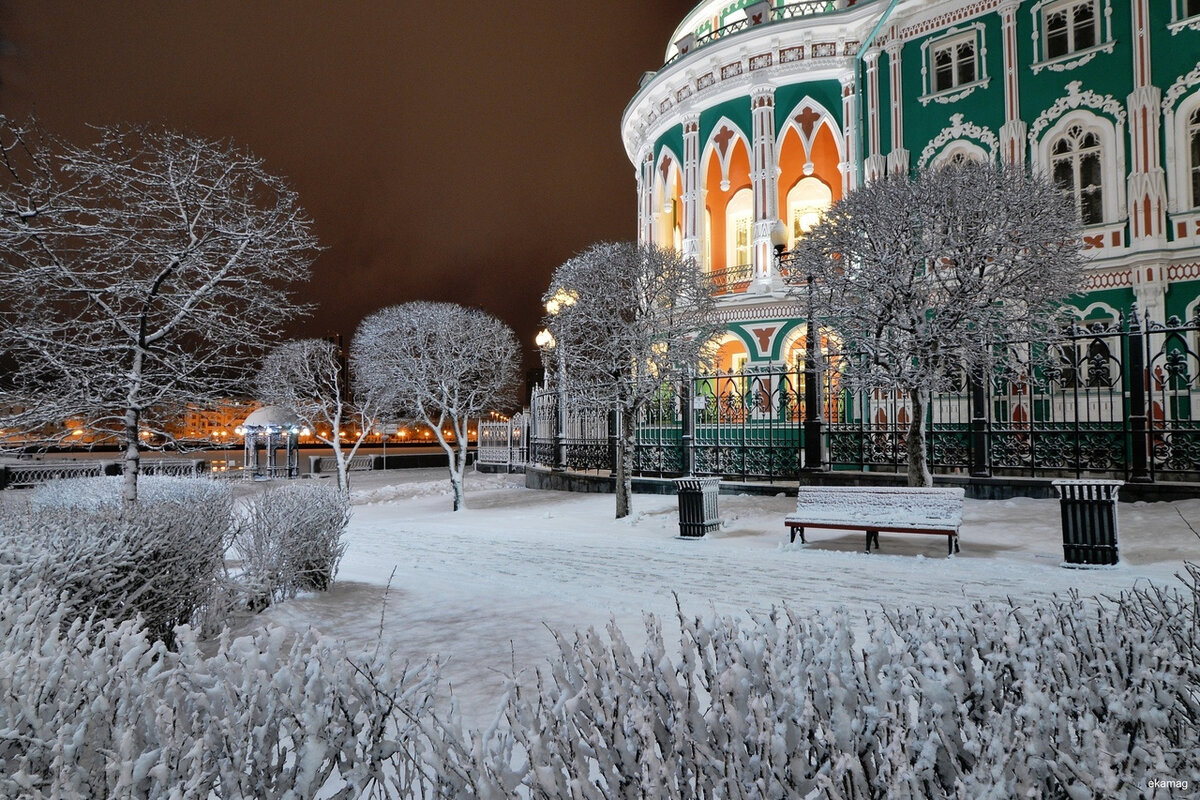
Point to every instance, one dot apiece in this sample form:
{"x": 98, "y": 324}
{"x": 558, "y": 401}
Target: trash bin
{"x": 1089, "y": 521}
{"x": 697, "y": 506}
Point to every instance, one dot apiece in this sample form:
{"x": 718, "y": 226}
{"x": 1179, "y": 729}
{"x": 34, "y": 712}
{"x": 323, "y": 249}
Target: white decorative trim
{"x": 958, "y": 130}
{"x": 1077, "y": 97}
{"x": 962, "y": 92}
{"x": 1191, "y": 24}
{"x": 1180, "y": 87}
{"x": 1112, "y": 138}
{"x": 1073, "y": 60}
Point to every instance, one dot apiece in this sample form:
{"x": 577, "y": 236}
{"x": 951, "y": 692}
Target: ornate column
{"x": 690, "y": 228}
{"x": 764, "y": 181}
{"x": 645, "y": 190}
{"x": 897, "y": 160}
{"x": 1147, "y": 183}
{"x": 849, "y": 167}
{"x": 876, "y": 164}
{"x": 1012, "y": 132}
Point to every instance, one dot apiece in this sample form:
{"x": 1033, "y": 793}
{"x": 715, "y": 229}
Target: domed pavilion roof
{"x": 271, "y": 417}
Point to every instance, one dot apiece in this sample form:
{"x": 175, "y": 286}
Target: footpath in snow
{"x": 479, "y": 588}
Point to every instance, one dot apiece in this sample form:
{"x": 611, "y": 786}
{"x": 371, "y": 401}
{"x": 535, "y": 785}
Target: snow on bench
{"x": 879, "y": 508}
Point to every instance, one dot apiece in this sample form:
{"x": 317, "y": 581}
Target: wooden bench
{"x": 879, "y": 508}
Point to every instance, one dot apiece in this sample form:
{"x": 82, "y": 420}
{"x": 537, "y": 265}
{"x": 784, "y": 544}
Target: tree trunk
{"x": 453, "y": 463}
{"x": 133, "y": 456}
{"x": 339, "y": 457}
{"x": 918, "y": 464}
{"x": 624, "y": 477}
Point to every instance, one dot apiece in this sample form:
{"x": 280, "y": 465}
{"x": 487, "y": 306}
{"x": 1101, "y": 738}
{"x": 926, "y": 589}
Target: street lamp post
{"x": 546, "y": 341}
{"x": 814, "y": 438}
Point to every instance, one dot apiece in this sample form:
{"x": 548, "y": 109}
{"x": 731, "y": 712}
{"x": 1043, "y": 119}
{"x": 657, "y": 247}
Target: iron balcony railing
{"x": 731, "y": 280}
{"x": 804, "y": 8}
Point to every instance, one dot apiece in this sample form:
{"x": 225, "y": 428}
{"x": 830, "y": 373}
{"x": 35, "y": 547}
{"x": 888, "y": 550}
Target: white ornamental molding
{"x": 1077, "y": 97}
{"x": 959, "y": 130}
{"x": 1179, "y": 88}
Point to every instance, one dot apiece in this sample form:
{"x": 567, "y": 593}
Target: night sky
{"x": 446, "y": 151}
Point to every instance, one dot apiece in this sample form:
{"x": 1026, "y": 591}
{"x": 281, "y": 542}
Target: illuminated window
{"x": 1076, "y": 158}
{"x": 806, "y": 202}
{"x": 739, "y": 227}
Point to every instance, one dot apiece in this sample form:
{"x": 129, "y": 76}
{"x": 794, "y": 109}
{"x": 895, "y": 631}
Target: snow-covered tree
{"x": 441, "y": 364}
{"x": 138, "y": 274}
{"x": 308, "y": 376}
{"x": 925, "y": 277}
{"x": 625, "y": 318}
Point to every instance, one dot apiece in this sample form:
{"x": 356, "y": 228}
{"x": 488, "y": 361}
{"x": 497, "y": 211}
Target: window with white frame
{"x": 1068, "y": 33}
{"x": 1182, "y": 10}
{"x": 1069, "y": 27}
{"x": 953, "y": 63}
{"x": 1193, "y": 143}
{"x": 1076, "y": 164}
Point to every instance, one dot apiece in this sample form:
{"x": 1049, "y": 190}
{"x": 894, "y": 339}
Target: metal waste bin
{"x": 697, "y": 506}
{"x": 1089, "y": 521}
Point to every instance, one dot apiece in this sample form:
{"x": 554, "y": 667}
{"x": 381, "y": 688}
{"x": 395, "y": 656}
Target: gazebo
{"x": 268, "y": 429}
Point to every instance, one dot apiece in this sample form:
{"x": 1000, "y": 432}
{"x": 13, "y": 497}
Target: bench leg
{"x": 953, "y": 542}
{"x": 872, "y": 536}
{"x": 800, "y": 530}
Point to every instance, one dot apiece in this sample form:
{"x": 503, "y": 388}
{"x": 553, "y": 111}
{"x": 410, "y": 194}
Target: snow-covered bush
{"x": 1068, "y": 699}
{"x": 290, "y": 539}
{"x": 159, "y": 559}
{"x": 92, "y": 708}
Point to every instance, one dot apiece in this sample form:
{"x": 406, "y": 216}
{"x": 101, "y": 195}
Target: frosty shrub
{"x": 93, "y": 708}
{"x": 1065, "y": 699}
{"x": 159, "y": 559}
{"x": 290, "y": 539}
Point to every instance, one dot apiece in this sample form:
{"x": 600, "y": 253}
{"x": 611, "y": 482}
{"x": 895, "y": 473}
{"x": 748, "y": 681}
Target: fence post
{"x": 687, "y": 421}
{"x": 981, "y": 466}
{"x": 1139, "y": 460}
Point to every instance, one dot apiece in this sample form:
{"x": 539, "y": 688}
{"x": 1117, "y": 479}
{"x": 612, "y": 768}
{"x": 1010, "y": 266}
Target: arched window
{"x": 1193, "y": 138}
{"x": 1076, "y": 162}
{"x": 807, "y": 201}
{"x": 739, "y": 229}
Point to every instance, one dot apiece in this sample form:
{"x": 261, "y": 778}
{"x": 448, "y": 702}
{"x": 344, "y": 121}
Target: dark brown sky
{"x": 446, "y": 150}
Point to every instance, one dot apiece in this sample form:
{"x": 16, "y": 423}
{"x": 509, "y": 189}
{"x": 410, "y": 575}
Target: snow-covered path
{"x": 480, "y": 587}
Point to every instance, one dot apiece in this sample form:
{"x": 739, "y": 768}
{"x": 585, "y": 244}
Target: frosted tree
{"x": 310, "y": 377}
{"x": 138, "y": 274}
{"x": 440, "y": 364}
{"x": 925, "y": 277}
{"x": 625, "y": 319}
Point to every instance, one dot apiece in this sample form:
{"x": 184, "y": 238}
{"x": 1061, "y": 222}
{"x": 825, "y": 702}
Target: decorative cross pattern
{"x": 722, "y": 139}
{"x": 806, "y": 119}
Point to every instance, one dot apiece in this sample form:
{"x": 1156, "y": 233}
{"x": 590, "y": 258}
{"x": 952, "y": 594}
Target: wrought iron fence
{"x": 1117, "y": 399}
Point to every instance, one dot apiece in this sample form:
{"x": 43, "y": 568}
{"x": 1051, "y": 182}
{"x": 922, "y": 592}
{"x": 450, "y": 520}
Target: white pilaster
{"x": 690, "y": 232}
{"x": 1147, "y": 183}
{"x": 1013, "y": 131}
{"x": 764, "y": 180}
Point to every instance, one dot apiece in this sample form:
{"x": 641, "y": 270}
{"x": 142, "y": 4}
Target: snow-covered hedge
{"x": 92, "y": 708}
{"x": 160, "y": 558}
{"x": 1067, "y": 699}
{"x": 290, "y": 539}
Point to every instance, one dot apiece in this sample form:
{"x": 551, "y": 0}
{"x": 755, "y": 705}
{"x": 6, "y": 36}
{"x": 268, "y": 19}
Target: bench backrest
{"x": 884, "y": 505}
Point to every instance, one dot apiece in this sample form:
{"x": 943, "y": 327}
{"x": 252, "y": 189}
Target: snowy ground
{"x": 480, "y": 587}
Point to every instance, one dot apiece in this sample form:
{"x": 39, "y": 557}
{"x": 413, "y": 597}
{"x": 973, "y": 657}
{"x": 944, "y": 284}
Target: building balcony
{"x": 732, "y": 280}
{"x": 756, "y": 15}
